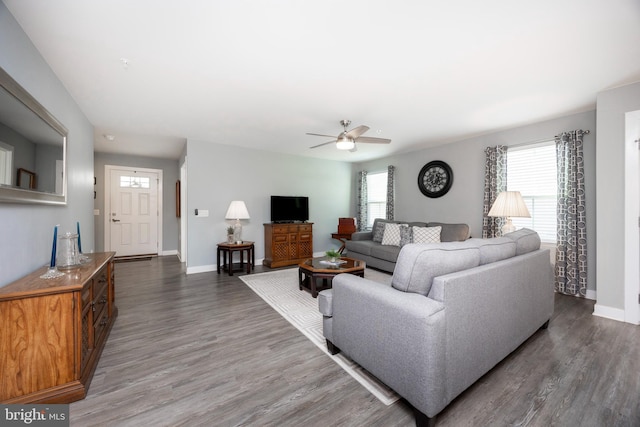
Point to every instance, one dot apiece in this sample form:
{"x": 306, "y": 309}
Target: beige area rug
{"x": 280, "y": 290}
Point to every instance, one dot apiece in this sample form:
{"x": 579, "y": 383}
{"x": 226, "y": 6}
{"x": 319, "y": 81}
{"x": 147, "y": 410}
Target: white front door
{"x": 132, "y": 214}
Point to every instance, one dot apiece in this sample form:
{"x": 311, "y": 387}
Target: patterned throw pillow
{"x": 391, "y": 234}
{"x": 426, "y": 234}
{"x": 378, "y": 231}
{"x": 406, "y": 235}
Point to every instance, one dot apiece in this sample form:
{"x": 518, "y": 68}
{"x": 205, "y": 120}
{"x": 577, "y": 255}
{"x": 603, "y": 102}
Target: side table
{"x": 225, "y": 249}
{"x": 342, "y": 237}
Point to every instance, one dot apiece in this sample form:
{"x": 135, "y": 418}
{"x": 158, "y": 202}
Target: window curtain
{"x": 361, "y": 201}
{"x": 390, "y": 192}
{"x": 571, "y": 251}
{"x": 495, "y": 181}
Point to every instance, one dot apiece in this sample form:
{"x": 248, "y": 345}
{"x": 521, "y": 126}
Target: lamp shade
{"x": 237, "y": 210}
{"x": 509, "y": 204}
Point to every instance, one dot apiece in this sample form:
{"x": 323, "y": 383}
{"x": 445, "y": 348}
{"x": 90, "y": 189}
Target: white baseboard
{"x": 202, "y": 269}
{"x": 167, "y": 253}
{"x": 608, "y": 312}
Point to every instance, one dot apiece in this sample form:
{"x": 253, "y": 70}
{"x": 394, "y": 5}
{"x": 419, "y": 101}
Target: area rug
{"x": 280, "y": 290}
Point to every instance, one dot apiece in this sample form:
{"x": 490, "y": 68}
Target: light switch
{"x": 203, "y": 212}
{"x": 96, "y": 212}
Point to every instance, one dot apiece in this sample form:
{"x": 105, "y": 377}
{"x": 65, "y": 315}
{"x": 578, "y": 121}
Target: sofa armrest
{"x": 325, "y": 302}
{"x": 362, "y": 235}
{"x": 397, "y": 336}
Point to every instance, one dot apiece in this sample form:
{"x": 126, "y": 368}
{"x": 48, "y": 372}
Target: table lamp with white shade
{"x": 509, "y": 204}
{"x": 237, "y": 210}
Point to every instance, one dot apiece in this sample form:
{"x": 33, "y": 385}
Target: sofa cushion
{"x": 378, "y": 229}
{"x": 406, "y": 235}
{"x": 426, "y": 234}
{"x": 391, "y": 234}
{"x": 417, "y": 224}
{"x": 526, "y": 240}
{"x": 418, "y": 264}
{"x": 496, "y": 249}
{"x": 452, "y": 232}
{"x": 385, "y": 252}
{"x": 361, "y": 246}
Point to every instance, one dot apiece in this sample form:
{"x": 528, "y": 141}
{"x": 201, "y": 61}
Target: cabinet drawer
{"x": 280, "y": 229}
{"x": 305, "y": 228}
{"x": 279, "y": 239}
{"x": 100, "y": 314}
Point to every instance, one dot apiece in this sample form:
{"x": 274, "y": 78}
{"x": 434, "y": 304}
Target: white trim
{"x": 8, "y": 164}
{"x": 213, "y": 267}
{"x": 608, "y": 312}
{"x": 107, "y": 201}
{"x": 632, "y": 218}
{"x": 202, "y": 269}
{"x": 183, "y": 252}
{"x": 171, "y": 252}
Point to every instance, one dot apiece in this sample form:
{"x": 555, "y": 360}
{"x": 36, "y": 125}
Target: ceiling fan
{"x": 348, "y": 138}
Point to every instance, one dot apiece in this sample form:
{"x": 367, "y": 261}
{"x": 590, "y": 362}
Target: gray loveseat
{"x": 453, "y": 311}
{"x": 368, "y": 245}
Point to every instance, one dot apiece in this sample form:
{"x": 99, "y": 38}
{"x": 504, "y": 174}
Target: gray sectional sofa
{"x": 368, "y": 245}
{"x": 452, "y": 312}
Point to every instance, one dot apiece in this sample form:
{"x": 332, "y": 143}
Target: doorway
{"x": 632, "y": 217}
{"x": 133, "y": 211}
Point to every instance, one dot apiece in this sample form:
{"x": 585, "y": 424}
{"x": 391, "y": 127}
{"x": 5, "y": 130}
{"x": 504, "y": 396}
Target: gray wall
{"x": 170, "y": 174}
{"x": 610, "y": 172}
{"x": 27, "y": 230}
{"x": 218, "y": 174}
{"x": 463, "y": 203}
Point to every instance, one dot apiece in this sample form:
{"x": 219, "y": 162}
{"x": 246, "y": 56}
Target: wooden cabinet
{"x": 287, "y": 244}
{"x": 52, "y": 332}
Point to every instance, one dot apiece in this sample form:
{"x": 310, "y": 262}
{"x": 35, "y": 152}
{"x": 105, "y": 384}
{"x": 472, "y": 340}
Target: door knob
{"x": 115, "y": 220}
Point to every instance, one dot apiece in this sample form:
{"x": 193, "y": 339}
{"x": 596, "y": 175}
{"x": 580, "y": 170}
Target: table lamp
{"x": 509, "y": 204}
{"x": 237, "y": 210}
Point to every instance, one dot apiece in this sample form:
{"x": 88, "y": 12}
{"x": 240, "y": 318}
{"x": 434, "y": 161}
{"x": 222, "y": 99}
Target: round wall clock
{"x": 435, "y": 179}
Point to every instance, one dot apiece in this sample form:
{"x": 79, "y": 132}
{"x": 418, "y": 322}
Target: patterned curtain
{"x": 495, "y": 181}
{"x": 361, "y": 201}
{"x": 390, "y": 192}
{"x": 571, "y": 251}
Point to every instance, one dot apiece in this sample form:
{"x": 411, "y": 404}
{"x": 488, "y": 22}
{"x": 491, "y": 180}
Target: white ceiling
{"x": 260, "y": 74}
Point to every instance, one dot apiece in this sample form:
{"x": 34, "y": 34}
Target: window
{"x": 531, "y": 170}
{"x": 376, "y": 197}
{"x": 134, "y": 182}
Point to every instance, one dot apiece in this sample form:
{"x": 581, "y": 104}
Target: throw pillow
{"x": 406, "y": 235}
{"x": 426, "y": 234}
{"x": 378, "y": 231}
{"x": 391, "y": 234}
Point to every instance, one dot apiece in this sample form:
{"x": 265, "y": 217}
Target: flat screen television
{"x": 289, "y": 208}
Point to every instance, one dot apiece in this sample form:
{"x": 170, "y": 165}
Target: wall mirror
{"x": 33, "y": 147}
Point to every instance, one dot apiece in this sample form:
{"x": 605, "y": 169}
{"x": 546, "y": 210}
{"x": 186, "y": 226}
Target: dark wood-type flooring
{"x": 204, "y": 350}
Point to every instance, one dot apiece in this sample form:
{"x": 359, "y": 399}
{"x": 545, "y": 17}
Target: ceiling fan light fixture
{"x": 345, "y": 143}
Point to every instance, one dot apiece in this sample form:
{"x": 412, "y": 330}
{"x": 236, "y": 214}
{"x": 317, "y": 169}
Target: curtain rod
{"x": 586, "y": 132}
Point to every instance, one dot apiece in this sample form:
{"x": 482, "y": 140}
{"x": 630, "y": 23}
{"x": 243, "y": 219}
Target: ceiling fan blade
{"x": 356, "y": 132}
{"x": 373, "y": 140}
{"x": 324, "y": 143}
{"x": 319, "y": 134}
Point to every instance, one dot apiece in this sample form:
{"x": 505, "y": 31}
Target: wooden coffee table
{"x": 313, "y": 269}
